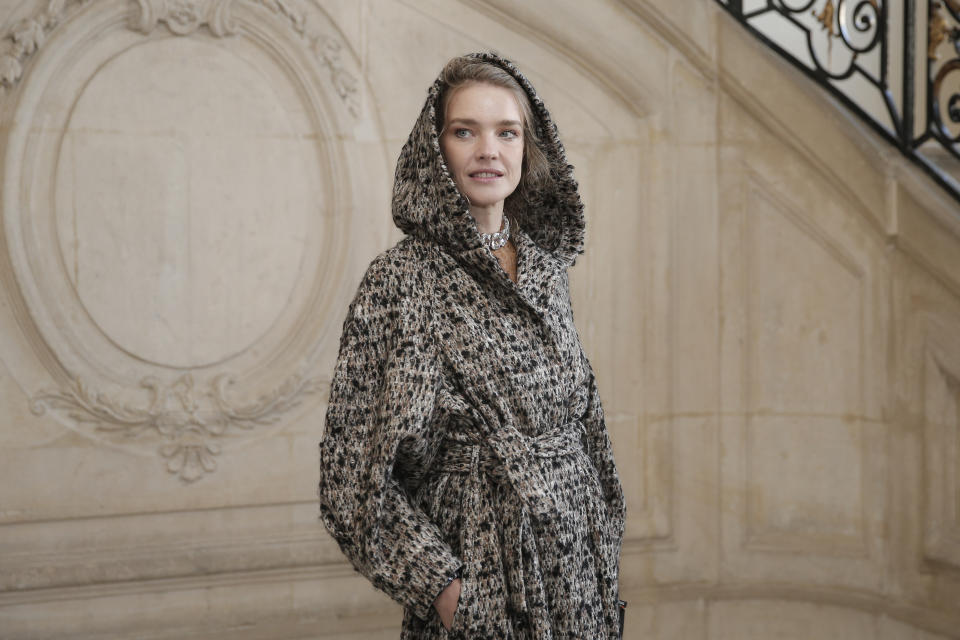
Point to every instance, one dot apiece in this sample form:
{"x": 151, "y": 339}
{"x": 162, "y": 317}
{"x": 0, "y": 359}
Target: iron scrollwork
{"x": 850, "y": 51}
{"x": 944, "y": 17}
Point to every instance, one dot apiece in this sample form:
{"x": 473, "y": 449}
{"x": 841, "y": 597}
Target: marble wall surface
{"x": 191, "y": 190}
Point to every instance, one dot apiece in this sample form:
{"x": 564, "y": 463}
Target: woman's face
{"x": 482, "y": 143}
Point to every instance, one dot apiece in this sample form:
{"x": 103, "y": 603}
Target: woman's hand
{"x": 447, "y": 602}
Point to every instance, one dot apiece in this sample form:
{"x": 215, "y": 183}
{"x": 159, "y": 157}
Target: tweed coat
{"x": 464, "y": 428}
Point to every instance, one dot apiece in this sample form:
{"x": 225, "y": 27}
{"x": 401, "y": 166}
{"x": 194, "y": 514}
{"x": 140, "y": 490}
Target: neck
{"x": 489, "y": 219}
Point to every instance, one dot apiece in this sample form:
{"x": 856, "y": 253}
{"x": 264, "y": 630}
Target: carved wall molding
{"x": 941, "y": 435}
{"x": 28, "y": 36}
{"x": 580, "y": 50}
{"x": 188, "y": 423}
{"x": 822, "y": 596}
{"x": 761, "y": 415}
{"x": 327, "y": 49}
{"x": 696, "y": 46}
{"x": 102, "y": 388}
{"x": 380, "y": 617}
{"x": 183, "y": 17}
{"x": 803, "y": 479}
{"x": 176, "y": 559}
{"x": 331, "y": 601}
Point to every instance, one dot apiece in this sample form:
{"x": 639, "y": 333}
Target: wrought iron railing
{"x": 896, "y": 64}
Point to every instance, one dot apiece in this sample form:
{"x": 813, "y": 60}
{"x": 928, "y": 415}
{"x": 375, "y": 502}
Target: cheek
{"x": 455, "y": 160}
{"x": 449, "y": 153}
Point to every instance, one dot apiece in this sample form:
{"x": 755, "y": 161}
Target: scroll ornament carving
{"x": 189, "y": 422}
{"x": 183, "y": 17}
{"x": 24, "y": 39}
{"x": 326, "y": 48}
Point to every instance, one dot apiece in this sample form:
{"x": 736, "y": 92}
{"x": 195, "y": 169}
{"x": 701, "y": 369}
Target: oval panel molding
{"x": 174, "y": 251}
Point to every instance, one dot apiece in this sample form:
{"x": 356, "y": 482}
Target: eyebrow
{"x": 471, "y": 122}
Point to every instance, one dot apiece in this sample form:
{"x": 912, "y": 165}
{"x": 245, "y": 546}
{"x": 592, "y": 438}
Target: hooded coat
{"x": 464, "y": 429}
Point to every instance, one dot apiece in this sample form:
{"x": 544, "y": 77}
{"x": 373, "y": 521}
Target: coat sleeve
{"x": 597, "y": 440}
{"x": 382, "y": 394}
{"x": 600, "y": 449}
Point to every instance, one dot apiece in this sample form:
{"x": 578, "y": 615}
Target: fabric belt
{"x": 507, "y": 455}
{"x": 463, "y": 456}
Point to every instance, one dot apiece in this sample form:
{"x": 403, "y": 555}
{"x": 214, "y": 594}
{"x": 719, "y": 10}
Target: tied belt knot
{"x": 494, "y": 455}
{"x": 514, "y": 459}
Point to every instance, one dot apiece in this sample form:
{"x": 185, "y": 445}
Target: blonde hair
{"x": 465, "y": 70}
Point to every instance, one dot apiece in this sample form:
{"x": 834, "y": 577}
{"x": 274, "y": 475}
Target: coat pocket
{"x": 460, "y": 624}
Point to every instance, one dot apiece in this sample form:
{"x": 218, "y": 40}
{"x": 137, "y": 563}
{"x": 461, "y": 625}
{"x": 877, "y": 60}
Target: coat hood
{"x": 428, "y": 204}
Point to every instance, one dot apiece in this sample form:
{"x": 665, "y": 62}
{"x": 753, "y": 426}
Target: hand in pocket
{"x": 447, "y": 603}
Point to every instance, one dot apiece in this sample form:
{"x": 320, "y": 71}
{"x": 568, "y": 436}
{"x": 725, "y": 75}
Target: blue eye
{"x": 510, "y": 134}
{"x": 461, "y": 133}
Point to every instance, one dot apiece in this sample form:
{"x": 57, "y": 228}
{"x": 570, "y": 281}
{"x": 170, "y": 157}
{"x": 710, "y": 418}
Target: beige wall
{"x": 770, "y": 295}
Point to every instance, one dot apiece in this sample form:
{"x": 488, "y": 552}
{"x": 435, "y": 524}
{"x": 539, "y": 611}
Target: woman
{"x": 466, "y": 469}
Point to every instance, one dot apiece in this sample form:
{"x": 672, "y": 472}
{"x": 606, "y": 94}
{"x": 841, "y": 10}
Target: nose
{"x": 487, "y": 147}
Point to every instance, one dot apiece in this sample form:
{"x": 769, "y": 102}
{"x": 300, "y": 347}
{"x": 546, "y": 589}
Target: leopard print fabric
{"x": 464, "y": 429}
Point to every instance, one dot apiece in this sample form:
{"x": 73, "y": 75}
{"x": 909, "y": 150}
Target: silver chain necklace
{"x": 497, "y": 239}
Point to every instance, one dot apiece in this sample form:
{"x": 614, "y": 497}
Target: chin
{"x": 486, "y": 199}
{"x": 484, "y": 202}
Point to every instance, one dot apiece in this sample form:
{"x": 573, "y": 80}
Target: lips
{"x": 486, "y": 174}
